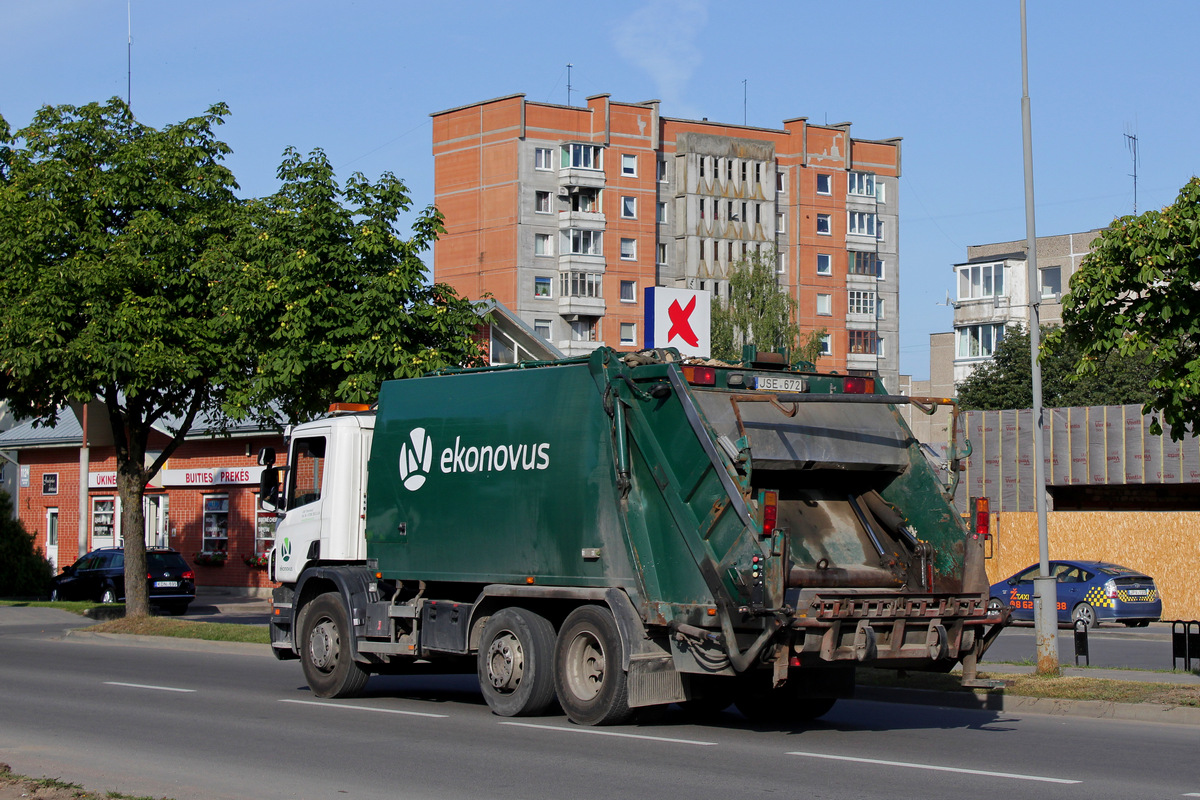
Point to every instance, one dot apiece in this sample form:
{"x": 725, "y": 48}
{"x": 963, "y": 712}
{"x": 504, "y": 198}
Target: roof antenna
{"x": 1131, "y": 144}
{"x": 129, "y": 55}
{"x": 569, "y": 83}
{"x": 743, "y": 102}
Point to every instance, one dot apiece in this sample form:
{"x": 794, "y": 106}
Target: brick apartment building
{"x": 566, "y": 214}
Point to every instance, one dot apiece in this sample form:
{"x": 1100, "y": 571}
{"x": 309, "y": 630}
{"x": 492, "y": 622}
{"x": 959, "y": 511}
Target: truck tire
{"x": 592, "y": 687}
{"x": 760, "y": 703}
{"x": 325, "y": 654}
{"x": 515, "y": 663}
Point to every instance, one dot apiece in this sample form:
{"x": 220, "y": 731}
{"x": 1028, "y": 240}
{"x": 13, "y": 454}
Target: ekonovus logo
{"x": 416, "y": 456}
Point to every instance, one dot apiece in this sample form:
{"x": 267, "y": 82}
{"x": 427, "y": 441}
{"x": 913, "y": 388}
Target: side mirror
{"x": 1012, "y": 581}
{"x": 268, "y": 486}
{"x": 266, "y": 457}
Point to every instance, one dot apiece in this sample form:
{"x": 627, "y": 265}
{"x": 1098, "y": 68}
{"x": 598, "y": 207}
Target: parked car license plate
{"x": 166, "y": 584}
{"x": 1138, "y": 592}
{"x": 779, "y": 384}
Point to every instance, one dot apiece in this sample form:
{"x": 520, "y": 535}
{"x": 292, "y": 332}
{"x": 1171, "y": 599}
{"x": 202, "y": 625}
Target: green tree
{"x": 132, "y": 273}
{"x": 24, "y": 571}
{"x": 1006, "y": 380}
{"x": 757, "y": 312}
{"x": 1135, "y": 295}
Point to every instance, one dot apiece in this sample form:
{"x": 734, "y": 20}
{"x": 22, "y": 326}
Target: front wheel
{"x": 325, "y": 654}
{"x": 1085, "y": 612}
{"x": 515, "y": 663}
{"x": 109, "y": 595}
{"x": 592, "y": 687}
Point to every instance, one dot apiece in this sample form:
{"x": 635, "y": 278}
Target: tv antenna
{"x": 129, "y": 54}
{"x": 569, "y": 83}
{"x": 743, "y": 102}
{"x": 1131, "y": 144}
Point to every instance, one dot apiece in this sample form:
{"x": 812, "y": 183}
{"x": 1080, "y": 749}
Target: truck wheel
{"x": 1085, "y": 612}
{"x": 592, "y": 687}
{"x": 516, "y": 663}
{"x": 762, "y": 704}
{"x": 329, "y": 667}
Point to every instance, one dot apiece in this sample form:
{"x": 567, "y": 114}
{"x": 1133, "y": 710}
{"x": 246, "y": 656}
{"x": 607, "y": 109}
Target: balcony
{"x": 585, "y": 220}
{"x": 582, "y": 177}
{"x": 577, "y": 306}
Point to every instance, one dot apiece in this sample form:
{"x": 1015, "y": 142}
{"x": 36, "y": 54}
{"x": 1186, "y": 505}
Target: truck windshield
{"x": 307, "y": 475}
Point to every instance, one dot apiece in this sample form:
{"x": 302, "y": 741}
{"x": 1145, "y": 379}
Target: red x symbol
{"x": 681, "y": 325}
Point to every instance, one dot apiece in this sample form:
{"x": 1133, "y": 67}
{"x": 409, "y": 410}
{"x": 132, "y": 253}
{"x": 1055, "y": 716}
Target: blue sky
{"x": 360, "y": 78}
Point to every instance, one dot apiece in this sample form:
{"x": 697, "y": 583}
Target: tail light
{"x": 855, "y": 385}
{"x": 189, "y": 575}
{"x": 769, "y": 502}
{"x": 1110, "y": 589}
{"x": 983, "y": 519}
{"x": 700, "y": 376}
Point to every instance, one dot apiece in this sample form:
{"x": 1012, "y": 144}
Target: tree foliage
{"x": 757, "y": 312}
{"x": 132, "y": 273}
{"x": 1006, "y": 381}
{"x": 1135, "y": 295}
{"x": 24, "y": 570}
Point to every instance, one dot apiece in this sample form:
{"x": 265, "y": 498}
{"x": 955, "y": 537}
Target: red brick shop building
{"x": 203, "y": 503}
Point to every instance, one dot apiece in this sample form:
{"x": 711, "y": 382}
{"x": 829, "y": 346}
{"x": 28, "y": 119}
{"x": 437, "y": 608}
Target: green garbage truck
{"x": 624, "y": 530}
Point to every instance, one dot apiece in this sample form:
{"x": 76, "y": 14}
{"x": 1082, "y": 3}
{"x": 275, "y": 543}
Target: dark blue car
{"x": 1092, "y": 591}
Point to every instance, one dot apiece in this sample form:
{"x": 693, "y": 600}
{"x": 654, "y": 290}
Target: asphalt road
{"x": 196, "y": 721}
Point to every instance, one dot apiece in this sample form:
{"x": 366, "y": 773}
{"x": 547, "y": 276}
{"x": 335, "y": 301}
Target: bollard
{"x": 1081, "y": 643}
{"x": 1185, "y": 642}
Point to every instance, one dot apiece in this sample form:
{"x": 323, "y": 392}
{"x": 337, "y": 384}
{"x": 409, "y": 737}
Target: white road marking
{"x": 1192, "y": 794}
{"x": 598, "y": 732}
{"x": 146, "y": 686}
{"x": 365, "y": 708}
{"x": 880, "y": 762}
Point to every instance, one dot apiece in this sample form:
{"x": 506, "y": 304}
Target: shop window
{"x": 104, "y": 516}
{"x": 216, "y": 523}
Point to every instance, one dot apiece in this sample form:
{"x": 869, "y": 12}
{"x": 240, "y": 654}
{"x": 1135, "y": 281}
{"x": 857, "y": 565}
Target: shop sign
{"x": 213, "y": 476}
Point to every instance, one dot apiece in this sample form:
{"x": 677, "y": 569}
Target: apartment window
{"x": 629, "y": 207}
{"x": 104, "y": 517}
{"x": 661, "y": 213}
{"x": 586, "y": 201}
{"x": 980, "y": 280}
{"x": 781, "y": 180}
{"x": 628, "y": 249}
{"x": 541, "y": 158}
{"x": 628, "y": 291}
{"x": 629, "y": 164}
{"x": 824, "y": 184}
{"x": 730, "y": 211}
{"x": 701, "y": 208}
{"x": 662, "y": 170}
{"x": 865, "y": 264}
{"x": 1051, "y": 281}
{"x": 743, "y": 172}
{"x": 542, "y": 328}
{"x": 978, "y": 341}
{"x": 584, "y": 243}
{"x": 581, "y": 284}
{"x": 757, "y": 213}
{"x": 729, "y": 170}
{"x": 865, "y": 343}
{"x": 629, "y": 333}
{"x": 781, "y": 222}
{"x": 216, "y": 523}
{"x": 583, "y": 330}
{"x": 824, "y": 224}
{"x": 860, "y": 223}
{"x": 861, "y": 184}
{"x": 758, "y": 172}
{"x": 827, "y": 344}
{"x": 541, "y": 287}
{"x": 824, "y": 264}
{"x": 825, "y": 305}
{"x": 582, "y": 156}
{"x": 541, "y": 202}
{"x": 543, "y": 244}
{"x": 701, "y": 161}
{"x": 780, "y": 263}
{"x": 861, "y": 303}
{"x": 661, "y": 255}
{"x": 880, "y": 194}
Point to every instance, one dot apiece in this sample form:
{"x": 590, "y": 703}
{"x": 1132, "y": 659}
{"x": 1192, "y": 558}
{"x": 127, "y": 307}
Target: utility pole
{"x": 1045, "y": 588}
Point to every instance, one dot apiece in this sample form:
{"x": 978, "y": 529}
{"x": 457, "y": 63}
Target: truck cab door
{"x": 305, "y": 501}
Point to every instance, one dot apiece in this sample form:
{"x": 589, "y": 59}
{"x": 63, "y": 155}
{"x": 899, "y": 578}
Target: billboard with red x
{"x": 679, "y": 318}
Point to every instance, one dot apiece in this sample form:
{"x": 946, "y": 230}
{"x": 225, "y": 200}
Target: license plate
{"x": 1137, "y": 592}
{"x": 166, "y": 584}
{"x": 779, "y": 384}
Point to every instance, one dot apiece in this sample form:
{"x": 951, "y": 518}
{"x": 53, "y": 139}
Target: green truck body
{"x": 628, "y": 530}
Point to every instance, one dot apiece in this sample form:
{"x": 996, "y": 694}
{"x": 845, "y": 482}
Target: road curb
{"x": 1052, "y": 706}
{"x": 171, "y": 643}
